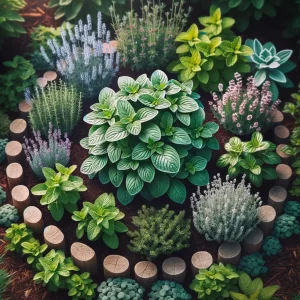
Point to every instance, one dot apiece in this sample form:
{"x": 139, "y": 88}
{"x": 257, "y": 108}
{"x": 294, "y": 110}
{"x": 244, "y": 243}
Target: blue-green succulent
{"x": 292, "y": 208}
{"x": 253, "y": 264}
{"x": 3, "y": 143}
{"x": 286, "y": 226}
{"x": 8, "y": 215}
{"x": 271, "y": 246}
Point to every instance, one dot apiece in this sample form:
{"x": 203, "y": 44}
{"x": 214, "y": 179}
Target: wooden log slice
{"x": 54, "y": 237}
{"x": 277, "y": 198}
{"x": 41, "y": 82}
{"x": 18, "y": 129}
{"x": 14, "y": 173}
{"x": 201, "y": 260}
{"x": 277, "y": 117}
{"x": 266, "y": 215}
{"x": 24, "y": 109}
{"x": 229, "y": 253}
{"x": 33, "y": 219}
{"x": 145, "y": 273}
{"x": 20, "y": 197}
{"x": 14, "y": 152}
{"x": 285, "y": 158}
{"x": 50, "y": 75}
{"x": 281, "y": 134}
{"x": 174, "y": 269}
{"x": 253, "y": 241}
{"x": 116, "y": 266}
{"x": 284, "y": 173}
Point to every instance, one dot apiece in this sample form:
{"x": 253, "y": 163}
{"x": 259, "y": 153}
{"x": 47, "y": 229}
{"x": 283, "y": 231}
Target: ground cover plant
{"x": 4, "y": 125}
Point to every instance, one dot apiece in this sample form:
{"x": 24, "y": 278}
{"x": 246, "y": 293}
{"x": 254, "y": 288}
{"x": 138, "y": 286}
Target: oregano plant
{"x": 148, "y": 136}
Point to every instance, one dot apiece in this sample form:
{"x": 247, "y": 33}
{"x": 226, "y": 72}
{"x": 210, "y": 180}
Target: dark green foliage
{"x": 3, "y": 143}
{"x": 164, "y": 289}
{"x": 292, "y": 208}
{"x": 286, "y": 226}
{"x": 2, "y": 195}
{"x": 253, "y": 264}
{"x": 4, "y": 278}
{"x": 8, "y": 215}
{"x": 4, "y": 125}
{"x": 159, "y": 232}
{"x": 271, "y": 246}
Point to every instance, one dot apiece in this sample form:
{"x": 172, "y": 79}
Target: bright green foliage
{"x": 80, "y": 286}
{"x": 271, "y": 65}
{"x": 215, "y": 282}
{"x": 255, "y": 158}
{"x": 54, "y": 270}
{"x": 164, "y": 289}
{"x": 271, "y": 246}
{"x": 206, "y": 57}
{"x": 120, "y": 288}
{"x": 100, "y": 219}
{"x": 4, "y": 278}
{"x": 292, "y": 208}
{"x": 3, "y": 143}
{"x": 57, "y": 104}
{"x": 253, "y": 264}
{"x": 254, "y": 289}
{"x": 16, "y": 234}
{"x": 33, "y": 250}
{"x": 8, "y": 215}
{"x": 4, "y": 125}
{"x": 19, "y": 76}
{"x": 60, "y": 191}
{"x": 2, "y": 195}
{"x": 159, "y": 232}
{"x": 148, "y": 136}
{"x": 286, "y": 226}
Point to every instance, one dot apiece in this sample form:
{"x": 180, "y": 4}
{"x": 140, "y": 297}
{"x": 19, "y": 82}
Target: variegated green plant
{"x": 148, "y": 136}
{"x": 254, "y": 158}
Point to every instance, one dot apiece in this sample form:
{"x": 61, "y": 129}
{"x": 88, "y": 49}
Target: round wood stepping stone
{"x": 20, "y": 197}
{"x": 285, "y": 158}
{"x": 84, "y": 258}
{"x": 14, "y": 173}
{"x": 174, "y": 269}
{"x": 281, "y": 134}
{"x": 201, "y": 260}
{"x": 116, "y": 266}
{"x": 18, "y": 129}
{"x": 24, "y": 109}
{"x": 284, "y": 173}
{"x": 229, "y": 253}
{"x": 33, "y": 219}
{"x": 41, "y": 82}
{"x": 277, "y": 117}
{"x": 277, "y": 198}
{"x": 266, "y": 215}
{"x": 253, "y": 241}
{"x": 14, "y": 152}
{"x": 145, "y": 273}
{"x": 54, "y": 237}
{"x": 50, "y": 75}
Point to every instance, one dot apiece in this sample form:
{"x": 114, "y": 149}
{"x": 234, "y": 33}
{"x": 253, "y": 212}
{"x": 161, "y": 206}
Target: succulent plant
{"x": 4, "y": 125}
{"x": 8, "y": 215}
{"x": 2, "y": 195}
{"x": 253, "y": 264}
{"x": 3, "y": 143}
{"x": 271, "y": 246}
{"x": 286, "y": 226}
{"x": 292, "y": 208}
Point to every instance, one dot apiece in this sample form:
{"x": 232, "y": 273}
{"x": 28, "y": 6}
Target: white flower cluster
{"x": 81, "y": 60}
{"x": 226, "y": 212}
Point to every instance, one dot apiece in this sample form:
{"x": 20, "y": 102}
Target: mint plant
{"x": 147, "y": 136}
{"x": 60, "y": 191}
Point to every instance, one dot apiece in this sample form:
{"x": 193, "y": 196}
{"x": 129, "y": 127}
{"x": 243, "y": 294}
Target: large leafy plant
{"x": 254, "y": 158}
{"x": 60, "y": 191}
{"x": 148, "y": 136}
{"x": 100, "y": 219}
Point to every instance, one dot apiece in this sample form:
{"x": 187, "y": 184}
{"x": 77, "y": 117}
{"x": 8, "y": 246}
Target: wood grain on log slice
{"x": 18, "y": 129}
{"x": 201, "y": 260}
{"x": 84, "y": 258}
{"x": 20, "y": 197}
{"x": 284, "y": 173}
{"x": 285, "y": 158}
{"x": 50, "y": 75}
{"x": 277, "y": 117}
{"x": 14, "y": 173}
{"x": 116, "y": 266}
{"x": 33, "y": 219}
{"x": 174, "y": 269}
{"x": 54, "y": 237}
{"x": 281, "y": 134}
{"x": 24, "y": 109}
{"x": 14, "y": 152}
{"x": 253, "y": 241}
{"x": 266, "y": 215}
{"x": 145, "y": 273}
{"x": 41, "y": 82}
{"x": 277, "y": 198}
{"x": 229, "y": 253}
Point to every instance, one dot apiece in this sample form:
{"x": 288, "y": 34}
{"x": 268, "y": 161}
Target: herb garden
{"x": 149, "y": 150}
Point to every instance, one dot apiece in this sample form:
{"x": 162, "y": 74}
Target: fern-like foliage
{"x": 4, "y": 125}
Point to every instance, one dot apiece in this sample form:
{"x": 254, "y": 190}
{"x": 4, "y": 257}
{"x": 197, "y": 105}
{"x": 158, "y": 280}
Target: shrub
{"x": 157, "y": 137}
{"x": 253, "y": 264}
{"x": 8, "y": 215}
{"x": 100, "y": 219}
{"x": 286, "y": 226}
{"x": 41, "y": 153}
{"x": 147, "y": 42}
{"x": 271, "y": 65}
{"x": 271, "y": 246}
{"x": 82, "y": 61}
{"x": 243, "y": 110}
{"x": 256, "y": 159}
{"x": 159, "y": 232}
{"x": 292, "y": 208}
{"x": 60, "y": 191}
{"x": 4, "y": 125}
{"x": 54, "y": 270}
{"x": 3, "y": 143}
{"x": 57, "y": 104}
{"x": 254, "y": 289}
{"x": 215, "y": 282}
{"x": 120, "y": 288}
{"x": 164, "y": 289}
{"x": 225, "y": 213}
{"x": 20, "y": 75}
{"x": 2, "y": 195}
{"x": 4, "y": 278}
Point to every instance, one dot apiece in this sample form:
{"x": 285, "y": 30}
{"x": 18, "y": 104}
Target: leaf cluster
{"x": 253, "y": 264}
{"x": 60, "y": 191}
{"x": 271, "y": 246}
{"x": 4, "y": 278}
{"x": 8, "y": 215}
{"x": 286, "y": 226}
{"x": 292, "y": 208}
{"x": 3, "y": 143}
{"x": 2, "y": 195}
{"x": 4, "y": 125}
{"x": 254, "y": 158}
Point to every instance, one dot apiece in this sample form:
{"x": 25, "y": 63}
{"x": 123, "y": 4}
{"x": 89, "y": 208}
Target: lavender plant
{"x": 83, "y": 60}
{"x": 243, "y": 110}
{"x": 148, "y": 42}
{"x": 225, "y": 213}
{"x": 41, "y": 153}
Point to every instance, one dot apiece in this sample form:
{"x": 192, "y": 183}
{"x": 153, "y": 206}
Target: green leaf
{"x": 256, "y": 180}
{"x": 187, "y": 104}
{"x": 159, "y": 80}
{"x": 74, "y": 10}
{"x": 146, "y": 172}
{"x": 115, "y": 176}
{"x": 168, "y": 161}
{"x": 141, "y": 152}
{"x": 199, "y": 163}
{"x": 145, "y": 114}
{"x": 116, "y": 132}
{"x": 120, "y": 227}
{"x": 123, "y": 195}
{"x": 258, "y": 3}
{"x": 213, "y": 143}
{"x": 125, "y": 109}
{"x": 271, "y": 158}
{"x": 134, "y": 128}
{"x": 93, "y": 164}
{"x": 199, "y": 178}
{"x": 269, "y": 173}
{"x": 134, "y": 183}
{"x": 56, "y": 210}
{"x": 49, "y": 173}
{"x": 39, "y": 189}
{"x": 180, "y": 137}
{"x": 160, "y": 185}
{"x": 114, "y": 152}
{"x": 93, "y": 230}
{"x": 111, "y": 241}
{"x": 97, "y": 136}
{"x": 231, "y": 59}
{"x": 267, "y": 292}
{"x": 260, "y": 77}
{"x": 150, "y": 131}
{"x": 203, "y": 76}
{"x": 238, "y": 296}
{"x": 177, "y": 191}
